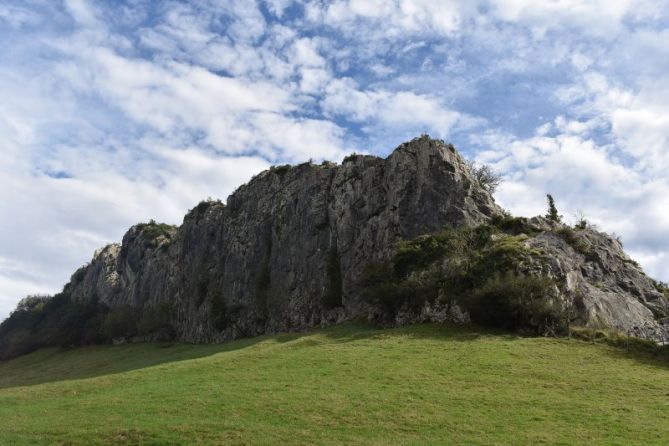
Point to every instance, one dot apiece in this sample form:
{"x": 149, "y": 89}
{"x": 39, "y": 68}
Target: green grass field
{"x": 426, "y": 384}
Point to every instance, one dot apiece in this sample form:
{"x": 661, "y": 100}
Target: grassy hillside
{"x": 346, "y": 385}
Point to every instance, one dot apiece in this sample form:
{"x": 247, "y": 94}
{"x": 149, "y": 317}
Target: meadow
{"x": 426, "y": 384}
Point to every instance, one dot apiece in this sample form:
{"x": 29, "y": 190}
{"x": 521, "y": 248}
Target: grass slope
{"x": 346, "y": 385}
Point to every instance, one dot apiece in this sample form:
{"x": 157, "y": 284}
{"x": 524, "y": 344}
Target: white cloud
{"x": 639, "y": 120}
{"x": 115, "y": 113}
{"x": 305, "y": 53}
{"x": 17, "y": 16}
{"x": 81, "y": 12}
{"x": 235, "y": 114}
{"x": 277, "y": 7}
{"x": 645, "y": 134}
{"x": 603, "y": 18}
{"x": 389, "y": 108}
{"x": 405, "y": 16}
{"x": 581, "y": 61}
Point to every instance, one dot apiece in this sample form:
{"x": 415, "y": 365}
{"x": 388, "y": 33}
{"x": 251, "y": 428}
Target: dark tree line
{"x": 58, "y": 321}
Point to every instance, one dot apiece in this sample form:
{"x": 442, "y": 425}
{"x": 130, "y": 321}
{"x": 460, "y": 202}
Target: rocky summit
{"x": 290, "y": 251}
{"x": 287, "y": 250}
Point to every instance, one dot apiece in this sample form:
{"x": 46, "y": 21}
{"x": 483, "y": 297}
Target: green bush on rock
{"x": 515, "y": 301}
{"x": 476, "y": 267}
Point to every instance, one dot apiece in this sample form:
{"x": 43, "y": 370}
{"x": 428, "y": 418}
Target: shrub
{"x": 155, "y": 319}
{"x": 66, "y": 325}
{"x": 381, "y": 287}
{"x": 578, "y": 243}
{"x": 487, "y": 178}
{"x": 378, "y": 285}
{"x": 501, "y": 256}
{"x": 663, "y": 288}
{"x": 581, "y": 221}
{"x": 514, "y": 301}
{"x": 120, "y": 322}
{"x": 449, "y": 243}
{"x": 41, "y": 321}
{"x": 79, "y": 275}
{"x": 470, "y": 266}
{"x": 153, "y": 230}
{"x": 92, "y": 332}
{"x": 32, "y": 303}
{"x": 424, "y": 250}
{"x": 512, "y": 225}
{"x": 352, "y": 157}
{"x": 200, "y": 210}
{"x": 453, "y": 261}
{"x": 282, "y": 170}
{"x": 567, "y": 234}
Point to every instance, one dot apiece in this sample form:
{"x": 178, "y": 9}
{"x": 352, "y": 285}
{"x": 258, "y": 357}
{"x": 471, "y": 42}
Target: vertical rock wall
{"x": 287, "y": 250}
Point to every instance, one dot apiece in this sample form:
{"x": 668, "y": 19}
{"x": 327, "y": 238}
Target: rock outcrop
{"x": 607, "y": 288}
{"x": 287, "y": 250}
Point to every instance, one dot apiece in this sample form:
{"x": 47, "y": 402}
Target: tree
{"x": 552, "y": 214}
{"x": 581, "y": 220}
{"x": 33, "y": 302}
{"x": 487, "y": 178}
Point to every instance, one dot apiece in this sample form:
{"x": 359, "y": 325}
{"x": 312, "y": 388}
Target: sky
{"x": 117, "y": 112}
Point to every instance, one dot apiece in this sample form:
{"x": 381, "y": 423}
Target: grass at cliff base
{"x": 425, "y": 384}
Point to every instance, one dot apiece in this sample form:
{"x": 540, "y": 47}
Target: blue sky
{"x": 113, "y": 112}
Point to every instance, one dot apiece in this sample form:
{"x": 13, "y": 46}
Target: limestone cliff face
{"x": 287, "y": 249}
{"x": 607, "y": 288}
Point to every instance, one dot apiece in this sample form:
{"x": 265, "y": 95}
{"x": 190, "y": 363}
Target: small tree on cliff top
{"x": 552, "y": 214}
{"x": 487, "y": 178}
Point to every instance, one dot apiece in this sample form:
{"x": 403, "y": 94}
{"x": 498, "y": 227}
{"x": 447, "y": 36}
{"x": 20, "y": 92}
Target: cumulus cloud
{"x": 418, "y": 16}
{"x": 390, "y": 113}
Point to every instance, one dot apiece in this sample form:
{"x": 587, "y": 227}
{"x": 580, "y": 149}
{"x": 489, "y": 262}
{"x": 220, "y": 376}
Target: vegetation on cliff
{"x": 45, "y": 321}
{"x": 61, "y": 321}
{"x": 481, "y": 269}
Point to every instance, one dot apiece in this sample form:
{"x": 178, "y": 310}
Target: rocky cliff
{"x": 287, "y": 250}
{"x": 603, "y": 286}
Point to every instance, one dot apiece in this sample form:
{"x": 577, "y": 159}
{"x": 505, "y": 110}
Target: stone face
{"x": 608, "y": 289}
{"x": 287, "y": 250}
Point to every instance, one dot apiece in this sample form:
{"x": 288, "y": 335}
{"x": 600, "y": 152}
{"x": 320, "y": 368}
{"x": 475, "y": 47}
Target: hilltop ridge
{"x": 291, "y": 249}
{"x": 287, "y": 249}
